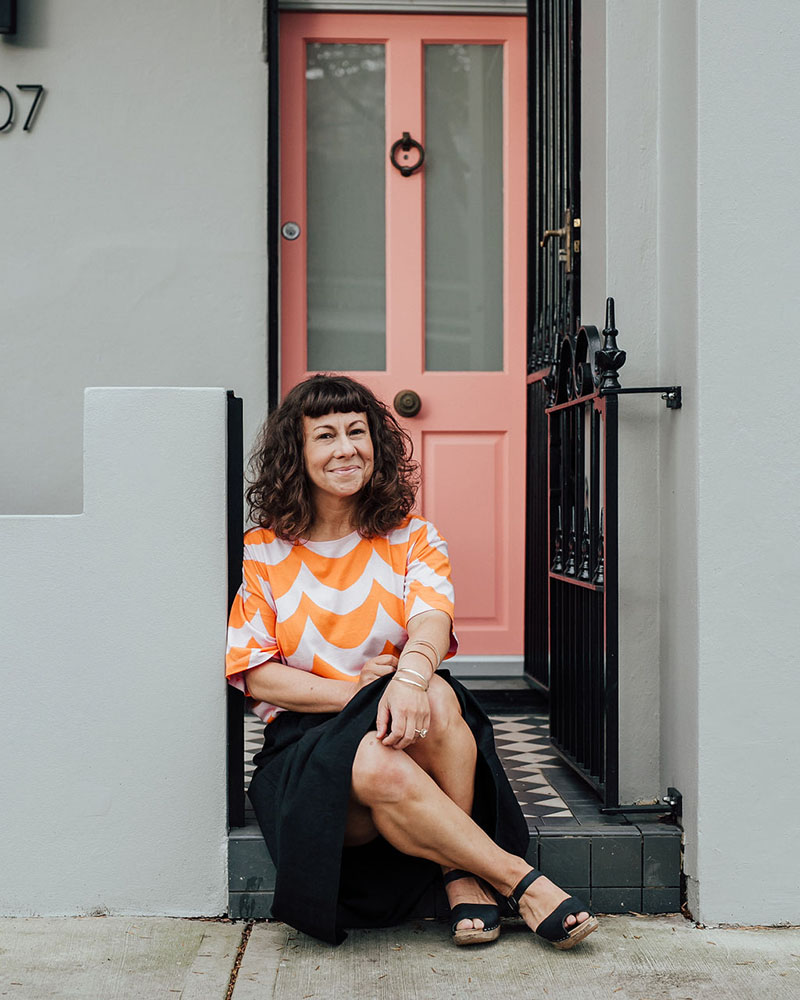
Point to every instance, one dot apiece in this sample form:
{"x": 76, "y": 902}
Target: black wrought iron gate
{"x": 582, "y": 487}
{"x": 571, "y": 628}
{"x": 553, "y": 271}
{"x": 571, "y": 614}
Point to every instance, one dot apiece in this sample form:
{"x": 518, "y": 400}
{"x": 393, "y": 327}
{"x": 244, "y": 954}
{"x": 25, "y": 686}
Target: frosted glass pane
{"x": 464, "y": 207}
{"x": 345, "y": 86}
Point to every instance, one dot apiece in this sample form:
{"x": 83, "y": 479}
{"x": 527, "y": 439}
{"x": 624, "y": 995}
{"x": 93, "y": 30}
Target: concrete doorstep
{"x": 629, "y": 958}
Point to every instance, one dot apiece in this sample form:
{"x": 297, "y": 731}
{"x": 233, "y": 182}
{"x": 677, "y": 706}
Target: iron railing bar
{"x": 574, "y": 149}
{"x": 596, "y": 616}
{"x": 593, "y": 780}
{"x": 611, "y": 571}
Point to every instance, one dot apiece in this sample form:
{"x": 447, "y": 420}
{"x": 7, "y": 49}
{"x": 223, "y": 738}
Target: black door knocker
{"x": 407, "y": 143}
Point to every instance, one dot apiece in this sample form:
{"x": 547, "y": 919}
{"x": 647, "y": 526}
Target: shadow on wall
{"x": 33, "y": 24}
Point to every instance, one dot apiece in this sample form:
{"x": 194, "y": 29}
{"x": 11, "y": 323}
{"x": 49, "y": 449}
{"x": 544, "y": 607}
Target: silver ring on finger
{"x": 422, "y": 733}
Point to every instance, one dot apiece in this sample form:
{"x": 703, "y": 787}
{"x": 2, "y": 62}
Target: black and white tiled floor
{"x": 523, "y": 746}
{"x": 253, "y": 741}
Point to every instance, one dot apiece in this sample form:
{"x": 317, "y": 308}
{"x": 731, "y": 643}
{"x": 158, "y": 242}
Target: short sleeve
{"x": 251, "y": 626}
{"x": 427, "y": 585}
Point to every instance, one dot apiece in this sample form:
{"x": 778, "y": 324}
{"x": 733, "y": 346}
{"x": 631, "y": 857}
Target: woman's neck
{"x": 333, "y": 518}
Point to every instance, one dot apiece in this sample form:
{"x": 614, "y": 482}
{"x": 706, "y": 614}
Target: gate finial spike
{"x": 610, "y": 359}
{"x": 610, "y": 319}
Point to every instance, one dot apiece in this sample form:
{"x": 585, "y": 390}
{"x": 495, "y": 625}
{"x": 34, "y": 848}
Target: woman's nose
{"x": 344, "y": 446}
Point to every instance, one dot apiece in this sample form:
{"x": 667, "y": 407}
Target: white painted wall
{"x": 112, "y": 697}
{"x": 619, "y": 179}
{"x": 593, "y": 162}
{"x": 748, "y": 492}
{"x": 133, "y": 216}
{"x": 678, "y": 348}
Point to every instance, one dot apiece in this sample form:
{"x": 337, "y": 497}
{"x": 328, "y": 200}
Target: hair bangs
{"x": 333, "y": 395}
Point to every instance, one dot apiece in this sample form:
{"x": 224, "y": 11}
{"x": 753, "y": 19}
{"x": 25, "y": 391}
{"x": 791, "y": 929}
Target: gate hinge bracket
{"x": 671, "y": 394}
{"x": 672, "y": 804}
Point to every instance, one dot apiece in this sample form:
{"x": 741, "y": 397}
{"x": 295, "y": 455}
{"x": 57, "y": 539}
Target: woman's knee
{"x": 445, "y": 706}
{"x": 381, "y": 774}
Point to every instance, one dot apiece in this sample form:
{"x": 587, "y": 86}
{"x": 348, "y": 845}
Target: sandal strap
{"x": 552, "y": 927}
{"x": 487, "y": 912}
{"x": 456, "y": 874}
{"x": 516, "y": 893}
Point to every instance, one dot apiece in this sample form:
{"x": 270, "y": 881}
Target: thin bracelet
{"x": 416, "y": 673}
{"x": 430, "y": 645}
{"x": 407, "y": 680}
{"x": 420, "y": 652}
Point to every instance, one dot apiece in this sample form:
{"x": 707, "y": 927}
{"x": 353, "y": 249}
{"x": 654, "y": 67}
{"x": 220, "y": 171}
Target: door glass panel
{"x": 464, "y": 207}
{"x": 345, "y": 86}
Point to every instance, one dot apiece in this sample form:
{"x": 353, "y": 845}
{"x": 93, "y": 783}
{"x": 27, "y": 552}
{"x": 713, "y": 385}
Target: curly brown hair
{"x": 279, "y": 497}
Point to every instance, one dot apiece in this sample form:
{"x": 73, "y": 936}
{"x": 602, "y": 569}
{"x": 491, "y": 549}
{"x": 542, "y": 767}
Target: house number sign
{"x": 7, "y": 106}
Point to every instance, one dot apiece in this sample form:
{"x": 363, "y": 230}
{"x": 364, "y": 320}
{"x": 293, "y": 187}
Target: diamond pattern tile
{"x": 523, "y": 746}
{"x": 253, "y": 741}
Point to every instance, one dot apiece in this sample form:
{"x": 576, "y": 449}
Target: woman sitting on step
{"x": 378, "y": 773}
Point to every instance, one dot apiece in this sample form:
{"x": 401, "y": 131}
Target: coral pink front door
{"x": 410, "y": 275}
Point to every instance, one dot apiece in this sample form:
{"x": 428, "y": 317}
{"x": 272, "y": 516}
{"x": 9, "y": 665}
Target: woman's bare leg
{"x": 448, "y": 754}
{"x": 414, "y": 814}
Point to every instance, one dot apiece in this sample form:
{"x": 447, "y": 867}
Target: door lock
{"x": 572, "y": 244}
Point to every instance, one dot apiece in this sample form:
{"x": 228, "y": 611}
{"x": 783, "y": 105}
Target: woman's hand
{"x": 402, "y": 711}
{"x": 378, "y": 666}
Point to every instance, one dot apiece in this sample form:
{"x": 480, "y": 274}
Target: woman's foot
{"x": 476, "y": 918}
{"x": 541, "y": 907}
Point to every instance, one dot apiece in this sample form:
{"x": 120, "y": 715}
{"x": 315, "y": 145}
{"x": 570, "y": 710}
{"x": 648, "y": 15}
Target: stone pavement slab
{"x": 629, "y": 958}
{"x": 116, "y": 958}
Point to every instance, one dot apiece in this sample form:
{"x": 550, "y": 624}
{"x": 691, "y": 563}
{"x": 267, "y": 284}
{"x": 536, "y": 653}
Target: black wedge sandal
{"x": 489, "y": 913}
{"x": 552, "y": 928}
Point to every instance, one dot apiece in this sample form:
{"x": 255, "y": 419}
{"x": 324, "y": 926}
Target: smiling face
{"x": 338, "y": 453}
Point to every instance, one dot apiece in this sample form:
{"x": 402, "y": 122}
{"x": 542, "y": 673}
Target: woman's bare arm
{"x": 403, "y": 710}
{"x": 433, "y": 627}
{"x": 302, "y": 691}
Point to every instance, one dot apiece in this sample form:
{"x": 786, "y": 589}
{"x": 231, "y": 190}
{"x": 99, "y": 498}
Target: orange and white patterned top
{"x": 328, "y": 607}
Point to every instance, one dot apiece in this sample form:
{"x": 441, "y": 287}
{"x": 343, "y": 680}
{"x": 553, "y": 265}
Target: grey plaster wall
{"x": 133, "y": 249}
{"x": 593, "y": 162}
{"x": 112, "y": 698}
{"x": 748, "y": 490}
{"x": 628, "y": 256}
{"x": 678, "y": 445}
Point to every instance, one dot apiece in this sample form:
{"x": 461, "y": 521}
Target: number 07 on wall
{"x": 7, "y": 123}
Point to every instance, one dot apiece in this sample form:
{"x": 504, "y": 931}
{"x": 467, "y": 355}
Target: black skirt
{"x": 300, "y": 792}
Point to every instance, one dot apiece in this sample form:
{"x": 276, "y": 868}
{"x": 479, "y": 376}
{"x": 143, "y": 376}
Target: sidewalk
{"x": 629, "y": 958}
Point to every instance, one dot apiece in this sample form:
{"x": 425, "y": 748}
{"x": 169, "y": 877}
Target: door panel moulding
{"x": 409, "y": 6}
